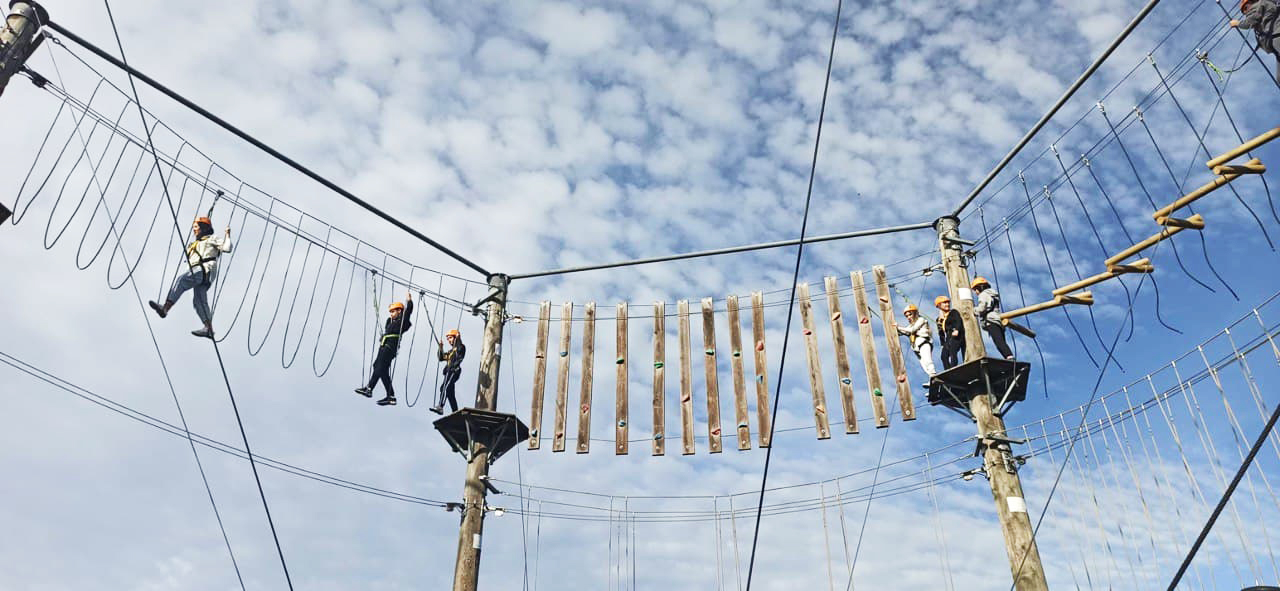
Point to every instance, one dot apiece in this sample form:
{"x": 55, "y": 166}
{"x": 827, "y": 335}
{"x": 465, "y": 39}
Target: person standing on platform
{"x": 988, "y": 313}
{"x": 452, "y": 370}
{"x": 921, "y": 338}
{"x": 951, "y": 329}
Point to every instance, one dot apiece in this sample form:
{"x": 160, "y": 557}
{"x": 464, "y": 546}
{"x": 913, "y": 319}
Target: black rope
{"x": 266, "y": 507}
{"x": 1017, "y": 274}
{"x": 795, "y": 276}
{"x": 342, "y": 321}
{"x": 862, "y": 530}
{"x": 1236, "y": 129}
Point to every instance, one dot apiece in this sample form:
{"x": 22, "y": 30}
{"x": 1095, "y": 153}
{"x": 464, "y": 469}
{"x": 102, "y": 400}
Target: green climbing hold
{"x": 711, "y": 351}
{"x": 737, "y": 353}
{"x": 564, "y": 353}
{"x": 877, "y": 392}
{"x": 622, "y": 423}
{"x": 657, "y": 365}
{"x": 621, "y": 360}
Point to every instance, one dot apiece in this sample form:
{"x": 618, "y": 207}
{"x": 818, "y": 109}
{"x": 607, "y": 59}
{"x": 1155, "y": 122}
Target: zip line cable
{"x": 795, "y": 276}
{"x": 134, "y": 73}
{"x": 222, "y": 366}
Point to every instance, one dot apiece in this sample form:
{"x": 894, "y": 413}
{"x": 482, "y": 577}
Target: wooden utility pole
{"x": 466, "y": 572}
{"x": 18, "y": 37}
{"x": 998, "y": 461}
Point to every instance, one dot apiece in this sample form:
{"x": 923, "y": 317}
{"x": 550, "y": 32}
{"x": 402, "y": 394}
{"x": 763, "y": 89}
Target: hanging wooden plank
{"x": 539, "y": 375}
{"x": 739, "y": 381}
{"x": 815, "y": 364}
{"x": 896, "y": 359}
{"x": 842, "y": 356}
{"x": 686, "y": 379}
{"x": 712, "y": 377}
{"x": 764, "y": 414}
{"x": 659, "y": 378}
{"x": 869, "y": 350}
{"x": 562, "y": 378}
{"x": 588, "y": 371}
{"x": 621, "y": 410}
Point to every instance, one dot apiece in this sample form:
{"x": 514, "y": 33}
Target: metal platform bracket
{"x": 469, "y": 428}
{"x": 1005, "y": 381}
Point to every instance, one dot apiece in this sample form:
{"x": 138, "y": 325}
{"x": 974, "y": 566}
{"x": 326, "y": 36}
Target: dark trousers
{"x": 447, "y": 390}
{"x": 951, "y": 352}
{"x": 382, "y": 369}
{"x": 996, "y": 331}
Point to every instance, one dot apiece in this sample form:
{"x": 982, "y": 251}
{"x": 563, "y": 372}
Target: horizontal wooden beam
{"x": 1251, "y": 167}
{"x": 1181, "y": 223}
{"x": 1191, "y": 197}
{"x": 1031, "y": 334}
{"x": 1147, "y": 243}
{"x": 1243, "y": 148}
{"x": 1139, "y": 266}
{"x": 1083, "y": 298}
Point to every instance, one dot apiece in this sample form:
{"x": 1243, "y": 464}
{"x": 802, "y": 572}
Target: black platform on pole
{"x": 497, "y": 431}
{"x": 1005, "y": 380}
{"x": 4, "y": 213}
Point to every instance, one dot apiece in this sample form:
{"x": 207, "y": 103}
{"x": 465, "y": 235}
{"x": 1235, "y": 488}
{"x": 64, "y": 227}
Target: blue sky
{"x": 537, "y": 135}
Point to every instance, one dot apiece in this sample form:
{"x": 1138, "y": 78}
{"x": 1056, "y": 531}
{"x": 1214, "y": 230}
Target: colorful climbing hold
{"x": 657, "y": 437}
{"x": 622, "y": 423}
{"x": 759, "y": 377}
{"x": 864, "y": 320}
{"x": 877, "y": 392}
{"x": 621, "y": 360}
{"x": 759, "y": 345}
{"x": 807, "y": 332}
{"x": 711, "y": 351}
{"x": 846, "y": 381}
{"x": 657, "y": 365}
{"x": 715, "y": 431}
{"x": 586, "y": 407}
{"x": 737, "y": 353}
{"x": 564, "y": 353}
{"x": 902, "y": 378}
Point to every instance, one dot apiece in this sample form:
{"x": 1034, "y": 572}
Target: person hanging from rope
{"x": 452, "y": 370}
{"x": 398, "y": 321}
{"x": 951, "y": 329}
{"x": 1263, "y": 17}
{"x": 202, "y": 268}
{"x": 988, "y": 313}
{"x": 921, "y": 337}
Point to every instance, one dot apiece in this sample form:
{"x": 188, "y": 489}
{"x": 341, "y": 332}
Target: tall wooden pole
{"x": 466, "y": 572}
{"x": 16, "y": 37}
{"x": 998, "y": 460}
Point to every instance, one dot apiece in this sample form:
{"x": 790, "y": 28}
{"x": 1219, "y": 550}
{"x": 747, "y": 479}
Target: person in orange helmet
{"x": 452, "y": 370}
{"x": 202, "y": 269}
{"x": 917, "y": 331}
{"x": 1263, "y": 17}
{"x": 951, "y": 330}
{"x": 398, "y": 321}
{"x": 988, "y": 312}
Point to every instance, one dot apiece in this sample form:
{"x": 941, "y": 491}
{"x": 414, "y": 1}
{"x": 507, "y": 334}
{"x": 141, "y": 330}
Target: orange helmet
{"x": 1244, "y": 5}
{"x": 453, "y": 333}
{"x": 203, "y": 220}
{"x": 937, "y": 302}
{"x": 979, "y": 281}
{"x": 910, "y": 309}
{"x": 395, "y": 306}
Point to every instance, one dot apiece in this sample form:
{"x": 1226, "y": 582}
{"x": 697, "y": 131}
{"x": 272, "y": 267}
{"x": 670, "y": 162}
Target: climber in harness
{"x": 452, "y": 370}
{"x": 1263, "y": 17}
{"x": 921, "y": 338}
{"x": 951, "y": 329}
{"x": 988, "y": 313}
{"x": 202, "y": 268}
{"x": 397, "y": 323}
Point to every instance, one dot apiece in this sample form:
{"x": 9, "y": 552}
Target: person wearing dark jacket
{"x": 397, "y": 323}
{"x": 1263, "y": 17}
{"x": 951, "y": 330}
{"x": 988, "y": 312}
{"x": 452, "y": 370}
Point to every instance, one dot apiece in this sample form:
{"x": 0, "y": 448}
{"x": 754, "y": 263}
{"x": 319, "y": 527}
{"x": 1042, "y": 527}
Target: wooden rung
{"x": 562, "y": 378}
{"x": 686, "y": 380}
{"x": 869, "y": 350}
{"x": 764, "y": 413}
{"x": 539, "y": 375}
{"x": 659, "y": 378}
{"x": 739, "y": 379}
{"x": 1243, "y": 148}
{"x": 896, "y": 360}
{"x": 815, "y": 364}
{"x": 1181, "y": 223}
{"x": 843, "y": 370}
{"x": 1083, "y": 298}
{"x": 1031, "y": 334}
{"x": 1254, "y": 166}
{"x": 588, "y": 376}
{"x": 622, "y": 410}
{"x": 1157, "y": 237}
{"x": 1140, "y": 266}
{"x": 1194, "y": 195}
{"x": 712, "y": 376}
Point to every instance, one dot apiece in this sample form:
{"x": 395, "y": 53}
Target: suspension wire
{"x": 862, "y": 530}
{"x": 217, "y": 514}
{"x": 1075, "y": 527}
{"x": 1022, "y": 298}
{"x": 1110, "y": 490}
{"x": 1226, "y": 496}
{"x": 1137, "y": 483}
{"x": 944, "y": 557}
{"x": 826, "y": 537}
{"x": 1081, "y": 468}
{"x": 227, "y": 380}
{"x": 844, "y": 533}
{"x": 1053, "y": 276}
{"x": 795, "y": 276}
{"x": 1102, "y": 247}
{"x": 1222, "y": 102}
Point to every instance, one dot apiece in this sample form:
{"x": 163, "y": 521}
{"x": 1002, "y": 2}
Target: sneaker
{"x": 203, "y": 332}
{"x": 388, "y": 401}
{"x": 436, "y": 409}
{"x": 925, "y": 385}
{"x": 158, "y": 308}
{"x": 366, "y": 392}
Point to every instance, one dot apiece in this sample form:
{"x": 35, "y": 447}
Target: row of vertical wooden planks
{"x": 875, "y": 388}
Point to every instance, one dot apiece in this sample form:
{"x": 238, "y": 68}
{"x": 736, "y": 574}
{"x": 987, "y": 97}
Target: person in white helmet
{"x": 920, "y": 336}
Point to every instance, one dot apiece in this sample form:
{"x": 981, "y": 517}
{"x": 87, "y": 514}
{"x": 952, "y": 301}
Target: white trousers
{"x": 925, "y": 354}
